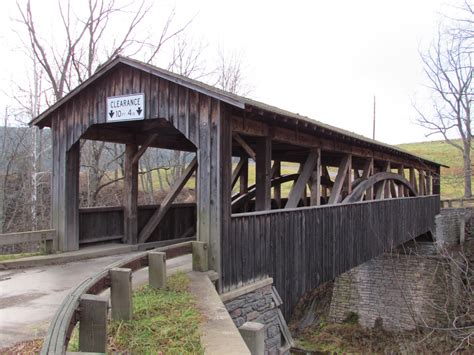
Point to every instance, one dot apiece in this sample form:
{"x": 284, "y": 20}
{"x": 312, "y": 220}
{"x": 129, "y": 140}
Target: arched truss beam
{"x": 362, "y": 185}
{"x": 240, "y": 199}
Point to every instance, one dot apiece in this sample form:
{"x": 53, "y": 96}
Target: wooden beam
{"x": 421, "y": 181}
{"x": 413, "y": 179}
{"x": 248, "y": 149}
{"x": 401, "y": 188}
{"x": 158, "y": 215}
{"x": 130, "y": 194}
{"x": 315, "y": 182}
{"x": 151, "y": 138}
{"x": 428, "y": 183}
{"x": 386, "y": 185}
{"x": 244, "y": 181}
{"x": 238, "y": 170}
{"x": 348, "y": 180}
{"x": 368, "y": 171}
{"x": 340, "y": 178}
{"x": 276, "y": 173}
{"x": 263, "y": 174}
{"x": 299, "y": 186}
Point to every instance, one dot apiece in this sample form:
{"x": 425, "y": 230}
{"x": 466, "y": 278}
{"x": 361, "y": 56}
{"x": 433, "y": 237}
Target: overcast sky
{"x": 322, "y": 59}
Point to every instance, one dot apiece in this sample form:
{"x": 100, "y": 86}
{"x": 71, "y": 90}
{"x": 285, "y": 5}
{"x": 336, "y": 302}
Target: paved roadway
{"x": 30, "y": 297}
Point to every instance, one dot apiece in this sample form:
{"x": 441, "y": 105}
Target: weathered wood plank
{"x": 340, "y": 178}
{"x": 130, "y": 194}
{"x": 300, "y": 185}
{"x": 167, "y": 201}
{"x": 263, "y": 173}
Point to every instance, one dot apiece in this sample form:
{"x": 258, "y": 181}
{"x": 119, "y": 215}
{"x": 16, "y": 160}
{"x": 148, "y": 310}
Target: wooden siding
{"x": 164, "y": 99}
{"x": 106, "y": 223}
{"x": 303, "y": 248}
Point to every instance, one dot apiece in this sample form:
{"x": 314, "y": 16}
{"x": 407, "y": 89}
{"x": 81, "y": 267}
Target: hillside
{"x": 444, "y": 153}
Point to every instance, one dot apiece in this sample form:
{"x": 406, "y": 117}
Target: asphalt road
{"x": 30, "y": 297}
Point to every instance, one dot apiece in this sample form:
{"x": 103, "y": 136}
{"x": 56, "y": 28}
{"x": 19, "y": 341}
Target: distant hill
{"x": 444, "y": 153}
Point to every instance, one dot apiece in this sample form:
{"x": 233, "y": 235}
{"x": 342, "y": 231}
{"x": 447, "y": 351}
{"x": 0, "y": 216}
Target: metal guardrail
{"x": 457, "y": 202}
{"x": 68, "y": 314}
{"x": 46, "y": 236}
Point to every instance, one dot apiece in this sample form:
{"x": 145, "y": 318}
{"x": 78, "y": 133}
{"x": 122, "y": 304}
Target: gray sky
{"x": 322, "y": 59}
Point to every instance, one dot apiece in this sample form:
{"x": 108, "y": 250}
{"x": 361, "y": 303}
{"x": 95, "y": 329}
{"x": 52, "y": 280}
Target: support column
{"x": 130, "y": 195}
{"x": 277, "y": 188}
{"x": 436, "y": 182}
{"x": 263, "y": 168}
{"x": 214, "y": 178}
{"x": 65, "y": 189}
{"x": 401, "y": 188}
{"x": 244, "y": 181}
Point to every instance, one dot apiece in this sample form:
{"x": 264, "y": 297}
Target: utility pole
{"x": 373, "y": 127}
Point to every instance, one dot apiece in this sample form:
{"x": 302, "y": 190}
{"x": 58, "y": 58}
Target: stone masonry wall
{"x": 448, "y": 224}
{"x": 262, "y": 307}
{"x": 401, "y": 290}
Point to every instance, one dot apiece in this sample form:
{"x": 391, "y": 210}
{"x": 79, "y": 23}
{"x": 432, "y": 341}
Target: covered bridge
{"x": 351, "y": 199}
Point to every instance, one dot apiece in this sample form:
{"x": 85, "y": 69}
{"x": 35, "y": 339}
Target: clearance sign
{"x": 126, "y": 108}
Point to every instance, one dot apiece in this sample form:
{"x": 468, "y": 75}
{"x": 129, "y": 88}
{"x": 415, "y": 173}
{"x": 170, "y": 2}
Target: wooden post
{"x": 214, "y": 177}
{"x": 428, "y": 182}
{"x": 244, "y": 181}
{"x": 200, "y": 256}
{"x": 421, "y": 181}
{"x": 65, "y": 188}
{"x": 277, "y": 188}
{"x": 93, "y": 324}
{"x": 413, "y": 179}
{"x": 300, "y": 185}
{"x": 157, "y": 269}
{"x": 348, "y": 180}
{"x": 401, "y": 188}
{"x": 121, "y": 293}
{"x": 315, "y": 199}
{"x": 366, "y": 173}
{"x": 263, "y": 174}
{"x": 130, "y": 194}
{"x": 340, "y": 178}
{"x": 386, "y": 184}
{"x": 436, "y": 182}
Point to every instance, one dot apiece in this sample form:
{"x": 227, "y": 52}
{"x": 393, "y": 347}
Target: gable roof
{"x": 240, "y": 102}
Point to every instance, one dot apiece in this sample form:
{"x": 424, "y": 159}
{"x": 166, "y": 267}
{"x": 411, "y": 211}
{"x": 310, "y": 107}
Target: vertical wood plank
{"x": 263, "y": 169}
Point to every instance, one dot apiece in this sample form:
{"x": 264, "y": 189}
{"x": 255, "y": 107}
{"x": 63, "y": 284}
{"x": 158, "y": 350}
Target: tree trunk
{"x": 467, "y": 170}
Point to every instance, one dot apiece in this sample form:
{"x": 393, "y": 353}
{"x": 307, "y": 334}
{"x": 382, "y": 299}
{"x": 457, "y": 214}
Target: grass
{"x": 5, "y": 257}
{"x": 164, "y": 322}
{"x": 452, "y": 181}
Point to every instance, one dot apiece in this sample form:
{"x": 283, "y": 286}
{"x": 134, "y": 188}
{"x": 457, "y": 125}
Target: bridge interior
{"x": 351, "y": 198}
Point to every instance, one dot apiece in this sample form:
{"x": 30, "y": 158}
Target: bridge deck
{"x": 305, "y": 247}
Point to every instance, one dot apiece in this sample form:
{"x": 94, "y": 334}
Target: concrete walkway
{"x": 30, "y": 297}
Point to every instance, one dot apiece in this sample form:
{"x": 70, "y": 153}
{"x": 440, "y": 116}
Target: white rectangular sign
{"x": 126, "y": 108}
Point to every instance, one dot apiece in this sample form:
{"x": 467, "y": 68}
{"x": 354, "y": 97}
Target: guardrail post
{"x": 121, "y": 293}
{"x": 253, "y": 334}
{"x": 200, "y": 257}
{"x": 93, "y": 324}
{"x": 157, "y": 269}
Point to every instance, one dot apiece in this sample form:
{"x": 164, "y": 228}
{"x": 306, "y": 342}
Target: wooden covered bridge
{"x": 351, "y": 199}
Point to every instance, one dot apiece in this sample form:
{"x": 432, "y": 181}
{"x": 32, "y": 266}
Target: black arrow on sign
{"x": 111, "y": 113}
{"x": 139, "y": 110}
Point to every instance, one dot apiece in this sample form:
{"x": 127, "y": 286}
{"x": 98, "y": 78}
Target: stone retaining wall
{"x": 260, "y": 305}
{"x": 401, "y": 290}
{"x": 448, "y": 225}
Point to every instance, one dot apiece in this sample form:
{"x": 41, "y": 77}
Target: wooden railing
{"x": 305, "y": 247}
{"x": 47, "y": 237}
{"x": 68, "y": 313}
{"x": 98, "y": 224}
{"x": 457, "y": 202}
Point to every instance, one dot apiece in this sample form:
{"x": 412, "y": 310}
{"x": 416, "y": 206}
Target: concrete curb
{"x": 61, "y": 258}
{"x": 218, "y": 332}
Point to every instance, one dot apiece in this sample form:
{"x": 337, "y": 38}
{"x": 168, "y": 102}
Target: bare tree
{"x": 229, "y": 73}
{"x": 448, "y": 68}
{"x": 87, "y": 37}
